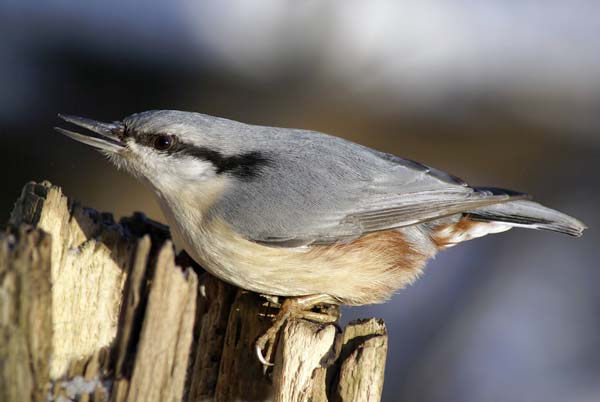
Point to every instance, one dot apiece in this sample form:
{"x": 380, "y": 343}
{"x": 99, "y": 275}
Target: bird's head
{"x": 172, "y": 150}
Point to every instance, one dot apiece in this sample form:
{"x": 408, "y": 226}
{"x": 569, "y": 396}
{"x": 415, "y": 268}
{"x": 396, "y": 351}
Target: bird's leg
{"x": 294, "y": 307}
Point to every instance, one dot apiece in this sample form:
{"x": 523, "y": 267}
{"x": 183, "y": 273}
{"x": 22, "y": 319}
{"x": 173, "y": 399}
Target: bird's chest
{"x": 191, "y": 228}
{"x": 224, "y": 253}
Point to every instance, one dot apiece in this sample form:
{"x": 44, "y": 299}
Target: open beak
{"x": 109, "y": 132}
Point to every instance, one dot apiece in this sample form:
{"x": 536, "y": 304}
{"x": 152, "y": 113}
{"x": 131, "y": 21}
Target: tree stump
{"x": 94, "y": 310}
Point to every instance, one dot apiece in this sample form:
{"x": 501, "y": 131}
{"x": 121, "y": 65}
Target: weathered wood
{"x": 89, "y": 257}
{"x": 216, "y": 298}
{"x": 163, "y": 350}
{"x": 240, "y": 374}
{"x": 294, "y": 367}
{"x": 25, "y": 315}
{"x": 95, "y": 310}
{"x": 362, "y": 361}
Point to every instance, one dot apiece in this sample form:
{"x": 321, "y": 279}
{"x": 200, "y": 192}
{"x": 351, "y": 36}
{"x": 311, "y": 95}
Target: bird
{"x": 299, "y": 214}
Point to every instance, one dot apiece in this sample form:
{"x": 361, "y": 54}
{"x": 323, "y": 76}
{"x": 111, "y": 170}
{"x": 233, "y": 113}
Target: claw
{"x": 268, "y": 340}
{"x": 298, "y": 307}
{"x": 261, "y": 358}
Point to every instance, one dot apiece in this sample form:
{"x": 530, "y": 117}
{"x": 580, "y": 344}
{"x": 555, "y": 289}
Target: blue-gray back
{"x": 320, "y": 189}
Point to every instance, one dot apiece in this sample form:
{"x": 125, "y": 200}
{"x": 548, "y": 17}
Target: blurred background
{"x": 498, "y": 93}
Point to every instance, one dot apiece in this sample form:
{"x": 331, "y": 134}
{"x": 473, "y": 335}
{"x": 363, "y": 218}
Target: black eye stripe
{"x": 246, "y": 165}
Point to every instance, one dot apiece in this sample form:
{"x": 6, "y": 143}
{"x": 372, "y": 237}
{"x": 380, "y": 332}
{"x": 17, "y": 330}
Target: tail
{"x": 527, "y": 214}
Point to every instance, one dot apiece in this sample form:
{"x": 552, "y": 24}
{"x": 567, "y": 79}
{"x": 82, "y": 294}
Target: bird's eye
{"x": 164, "y": 142}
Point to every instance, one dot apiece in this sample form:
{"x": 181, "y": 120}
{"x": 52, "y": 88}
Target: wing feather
{"x": 318, "y": 189}
{"x": 405, "y": 210}
{"x": 413, "y": 209}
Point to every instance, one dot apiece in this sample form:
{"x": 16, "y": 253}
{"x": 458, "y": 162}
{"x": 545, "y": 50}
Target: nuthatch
{"x": 302, "y": 214}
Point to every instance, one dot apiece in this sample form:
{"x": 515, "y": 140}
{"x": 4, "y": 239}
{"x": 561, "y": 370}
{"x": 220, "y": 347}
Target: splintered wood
{"x": 94, "y": 310}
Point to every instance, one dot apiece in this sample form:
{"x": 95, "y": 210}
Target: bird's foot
{"x": 293, "y": 308}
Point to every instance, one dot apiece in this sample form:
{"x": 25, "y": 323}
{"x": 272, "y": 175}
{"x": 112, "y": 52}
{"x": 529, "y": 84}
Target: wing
{"x": 413, "y": 208}
{"x": 319, "y": 190}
